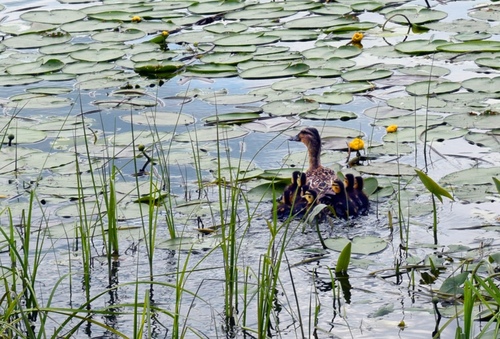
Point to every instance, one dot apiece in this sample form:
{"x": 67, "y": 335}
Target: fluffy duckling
{"x": 290, "y": 192}
{"x": 307, "y": 201}
{"x": 318, "y": 176}
{"x": 362, "y": 198}
{"x": 352, "y": 198}
{"x": 337, "y": 199}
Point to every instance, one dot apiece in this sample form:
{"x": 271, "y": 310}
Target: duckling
{"x": 318, "y": 176}
{"x": 337, "y": 199}
{"x": 363, "y": 201}
{"x": 298, "y": 179}
{"x": 307, "y": 201}
{"x": 351, "y": 195}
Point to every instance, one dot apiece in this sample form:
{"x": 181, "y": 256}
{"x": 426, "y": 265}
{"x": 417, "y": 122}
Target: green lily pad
{"x": 473, "y": 121}
{"x": 487, "y": 140}
{"x": 316, "y": 22}
{"x": 416, "y": 15}
{"x": 232, "y": 118}
{"x": 293, "y": 34}
{"x": 352, "y": 87}
{"x": 301, "y": 84}
{"x": 366, "y": 74}
{"x": 432, "y": 87}
{"x": 360, "y": 244}
{"x": 20, "y": 28}
{"x": 211, "y": 70}
{"x": 124, "y": 35}
{"x": 470, "y": 47}
{"x": 158, "y": 118}
{"x": 94, "y": 55}
{"x": 22, "y": 135}
{"x": 415, "y": 102}
{"x": 231, "y": 27}
{"x": 14, "y": 80}
{"x": 278, "y": 71}
{"x": 420, "y": 46}
{"x": 246, "y": 39}
{"x": 471, "y": 176}
{"x": 226, "y": 58}
{"x": 89, "y": 26}
{"x": 435, "y": 134}
{"x": 332, "y": 8}
{"x": 425, "y": 70}
{"x": 327, "y": 52}
{"x": 325, "y": 114}
{"x": 488, "y": 62}
{"x": 388, "y": 168}
{"x": 277, "y": 124}
{"x": 490, "y": 85}
{"x": 383, "y": 112}
{"x": 139, "y": 137}
{"x": 236, "y": 99}
{"x": 35, "y": 68}
{"x": 55, "y": 16}
{"x": 285, "y": 108}
{"x": 459, "y": 26}
{"x": 472, "y": 36}
{"x": 35, "y": 40}
{"x": 216, "y": 133}
{"x": 40, "y": 102}
{"x": 259, "y": 14}
{"x": 331, "y": 98}
{"x": 214, "y": 7}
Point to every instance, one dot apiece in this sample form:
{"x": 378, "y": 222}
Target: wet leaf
{"x": 360, "y": 244}
{"x": 278, "y": 71}
{"x": 433, "y": 186}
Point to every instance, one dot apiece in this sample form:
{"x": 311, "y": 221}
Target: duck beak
{"x": 295, "y": 138}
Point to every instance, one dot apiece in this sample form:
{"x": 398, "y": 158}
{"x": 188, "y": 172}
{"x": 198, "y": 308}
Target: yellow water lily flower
{"x": 357, "y": 37}
{"x": 136, "y": 18}
{"x": 165, "y": 33}
{"x": 392, "y": 128}
{"x": 357, "y": 144}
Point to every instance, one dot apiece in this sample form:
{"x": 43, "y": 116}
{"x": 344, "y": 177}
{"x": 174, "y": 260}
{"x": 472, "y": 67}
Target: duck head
{"x": 358, "y": 183}
{"x": 338, "y": 186}
{"x": 349, "y": 181}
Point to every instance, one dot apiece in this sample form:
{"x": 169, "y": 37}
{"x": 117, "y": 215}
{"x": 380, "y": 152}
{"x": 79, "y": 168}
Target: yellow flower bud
{"x": 357, "y": 144}
{"x": 392, "y": 128}
{"x": 165, "y": 33}
{"x": 136, "y": 18}
{"x": 357, "y": 37}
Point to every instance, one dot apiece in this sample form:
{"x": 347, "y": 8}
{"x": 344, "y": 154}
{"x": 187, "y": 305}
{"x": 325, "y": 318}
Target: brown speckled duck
{"x": 319, "y": 178}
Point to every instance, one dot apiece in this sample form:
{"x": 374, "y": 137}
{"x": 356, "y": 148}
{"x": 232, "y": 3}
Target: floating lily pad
{"x": 236, "y": 99}
{"x": 325, "y": 114}
{"x": 470, "y": 121}
{"x": 284, "y": 108}
{"x": 360, "y": 244}
{"x": 301, "y": 84}
{"x": 276, "y": 124}
{"x": 226, "y": 58}
{"x": 55, "y": 16}
{"x": 416, "y": 15}
{"x": 425, "y": 70}
{"x": 432, "y": 87}
{"x": 232, "y": 118}
{"x": 327, "y": 52}
{"x": 366, "y": 74}
{"x": 35, "y": 40}
{"x": 435, "y": 134}
{"x": 94, "y": 55}
{"x": 22, "y": 135}
{"x": 87, "y": 67}
{"x": 487, "y": 140}
{"x": 231, "y": 27}
{"x": 352, "y": 87}
{"x": 158, "y": 118}
{"x": 259, "y": 14}
{"x": 459, "y": 26}
{"x": 420, "y": 46}
{"x": 388, "y": 168}
{"x": 383, "y": 112}
{"x": 19, "y": 28}
{"x": 41, "y": 102}
{"x": 214, "y": 7}
{"x": 470, "y": 47}
{"x": 211, "y": 70}
{"x": 316, "y": 22}
{"x": 471, "y": 176}
{"x": 14, "y": 80}
{"x": 278, "y": 71}
{"x": 415, "y": 102}
{"x": 89, "y": 26}
{"x": 331, "y": 98}
{"x": 124, "y": 35}
{"x": 211, "y": 134}
{"x": 490, "y": 85}
{"x": 139, "y": 137}
{"x": 246, "y": 39}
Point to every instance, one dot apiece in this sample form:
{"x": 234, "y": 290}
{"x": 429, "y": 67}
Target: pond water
{"x": 385, "y": 287}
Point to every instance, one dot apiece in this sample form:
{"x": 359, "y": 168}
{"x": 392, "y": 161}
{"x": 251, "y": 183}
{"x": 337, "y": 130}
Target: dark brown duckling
{"x": 291, "y": 190}
{"x": 318, "y": 176}
{"x": 308, "y": 199}
{"x": 351, "y": 195}
{"x": 362, "y": 198}
{"x": 337, "y": 199}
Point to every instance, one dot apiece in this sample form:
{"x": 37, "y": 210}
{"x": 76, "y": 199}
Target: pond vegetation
{"x": 144, "y": 144}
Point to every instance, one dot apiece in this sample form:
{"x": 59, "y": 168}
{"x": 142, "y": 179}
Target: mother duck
{"x": 319, "y": 178}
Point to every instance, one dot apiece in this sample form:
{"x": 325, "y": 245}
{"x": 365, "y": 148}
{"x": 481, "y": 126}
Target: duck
{"x": 337, "y": 200}
{"x": 352, "y": 196}
{"x": 319, "y": 178}
{"x": 362, "y": 198}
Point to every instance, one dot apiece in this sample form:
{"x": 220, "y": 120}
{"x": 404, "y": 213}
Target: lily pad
{"x": 325, "y": 114}
{"x": 416, "y": 15}
{"x": 232, "y": 118}
{"x": 432, "y": 87}
{"x": 490, "y": 85}
{"x": 415, "y": 102}
{"x": 214, "y": 7}
{"x": 216, "y": 133}
{"x": 35, "y": 68}
{"x": 35, "y": 40}
{"x": 420, "y": 46}
{"x": 278, "y": 71}
{"x": 366, "y": 74}
{"x": 471, "y": 176}
{"x": 246, "y": 39}
{"x": 470, "y": 47}
{"x": 360, "y": 244}
{"x": 388, "y": 168}
{"x": 236, "y": 99}
{"x": 226, "y": 58}
{"x": 158, "y": 118}
{"x": 124, "y": 35}
{"x": 55, "y": 16}
{"x": 285, "y": 108}
{"x": 301, "y": 84}
{"x": 94, "y": 55}
{"x": 425, "y": 70}
{"x": 22, "y": 135}
{"x": 317, "y": 22}
{"x": 331, "y": 98}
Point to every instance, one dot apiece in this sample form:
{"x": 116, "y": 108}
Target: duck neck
{"x": 314, "y": 149}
